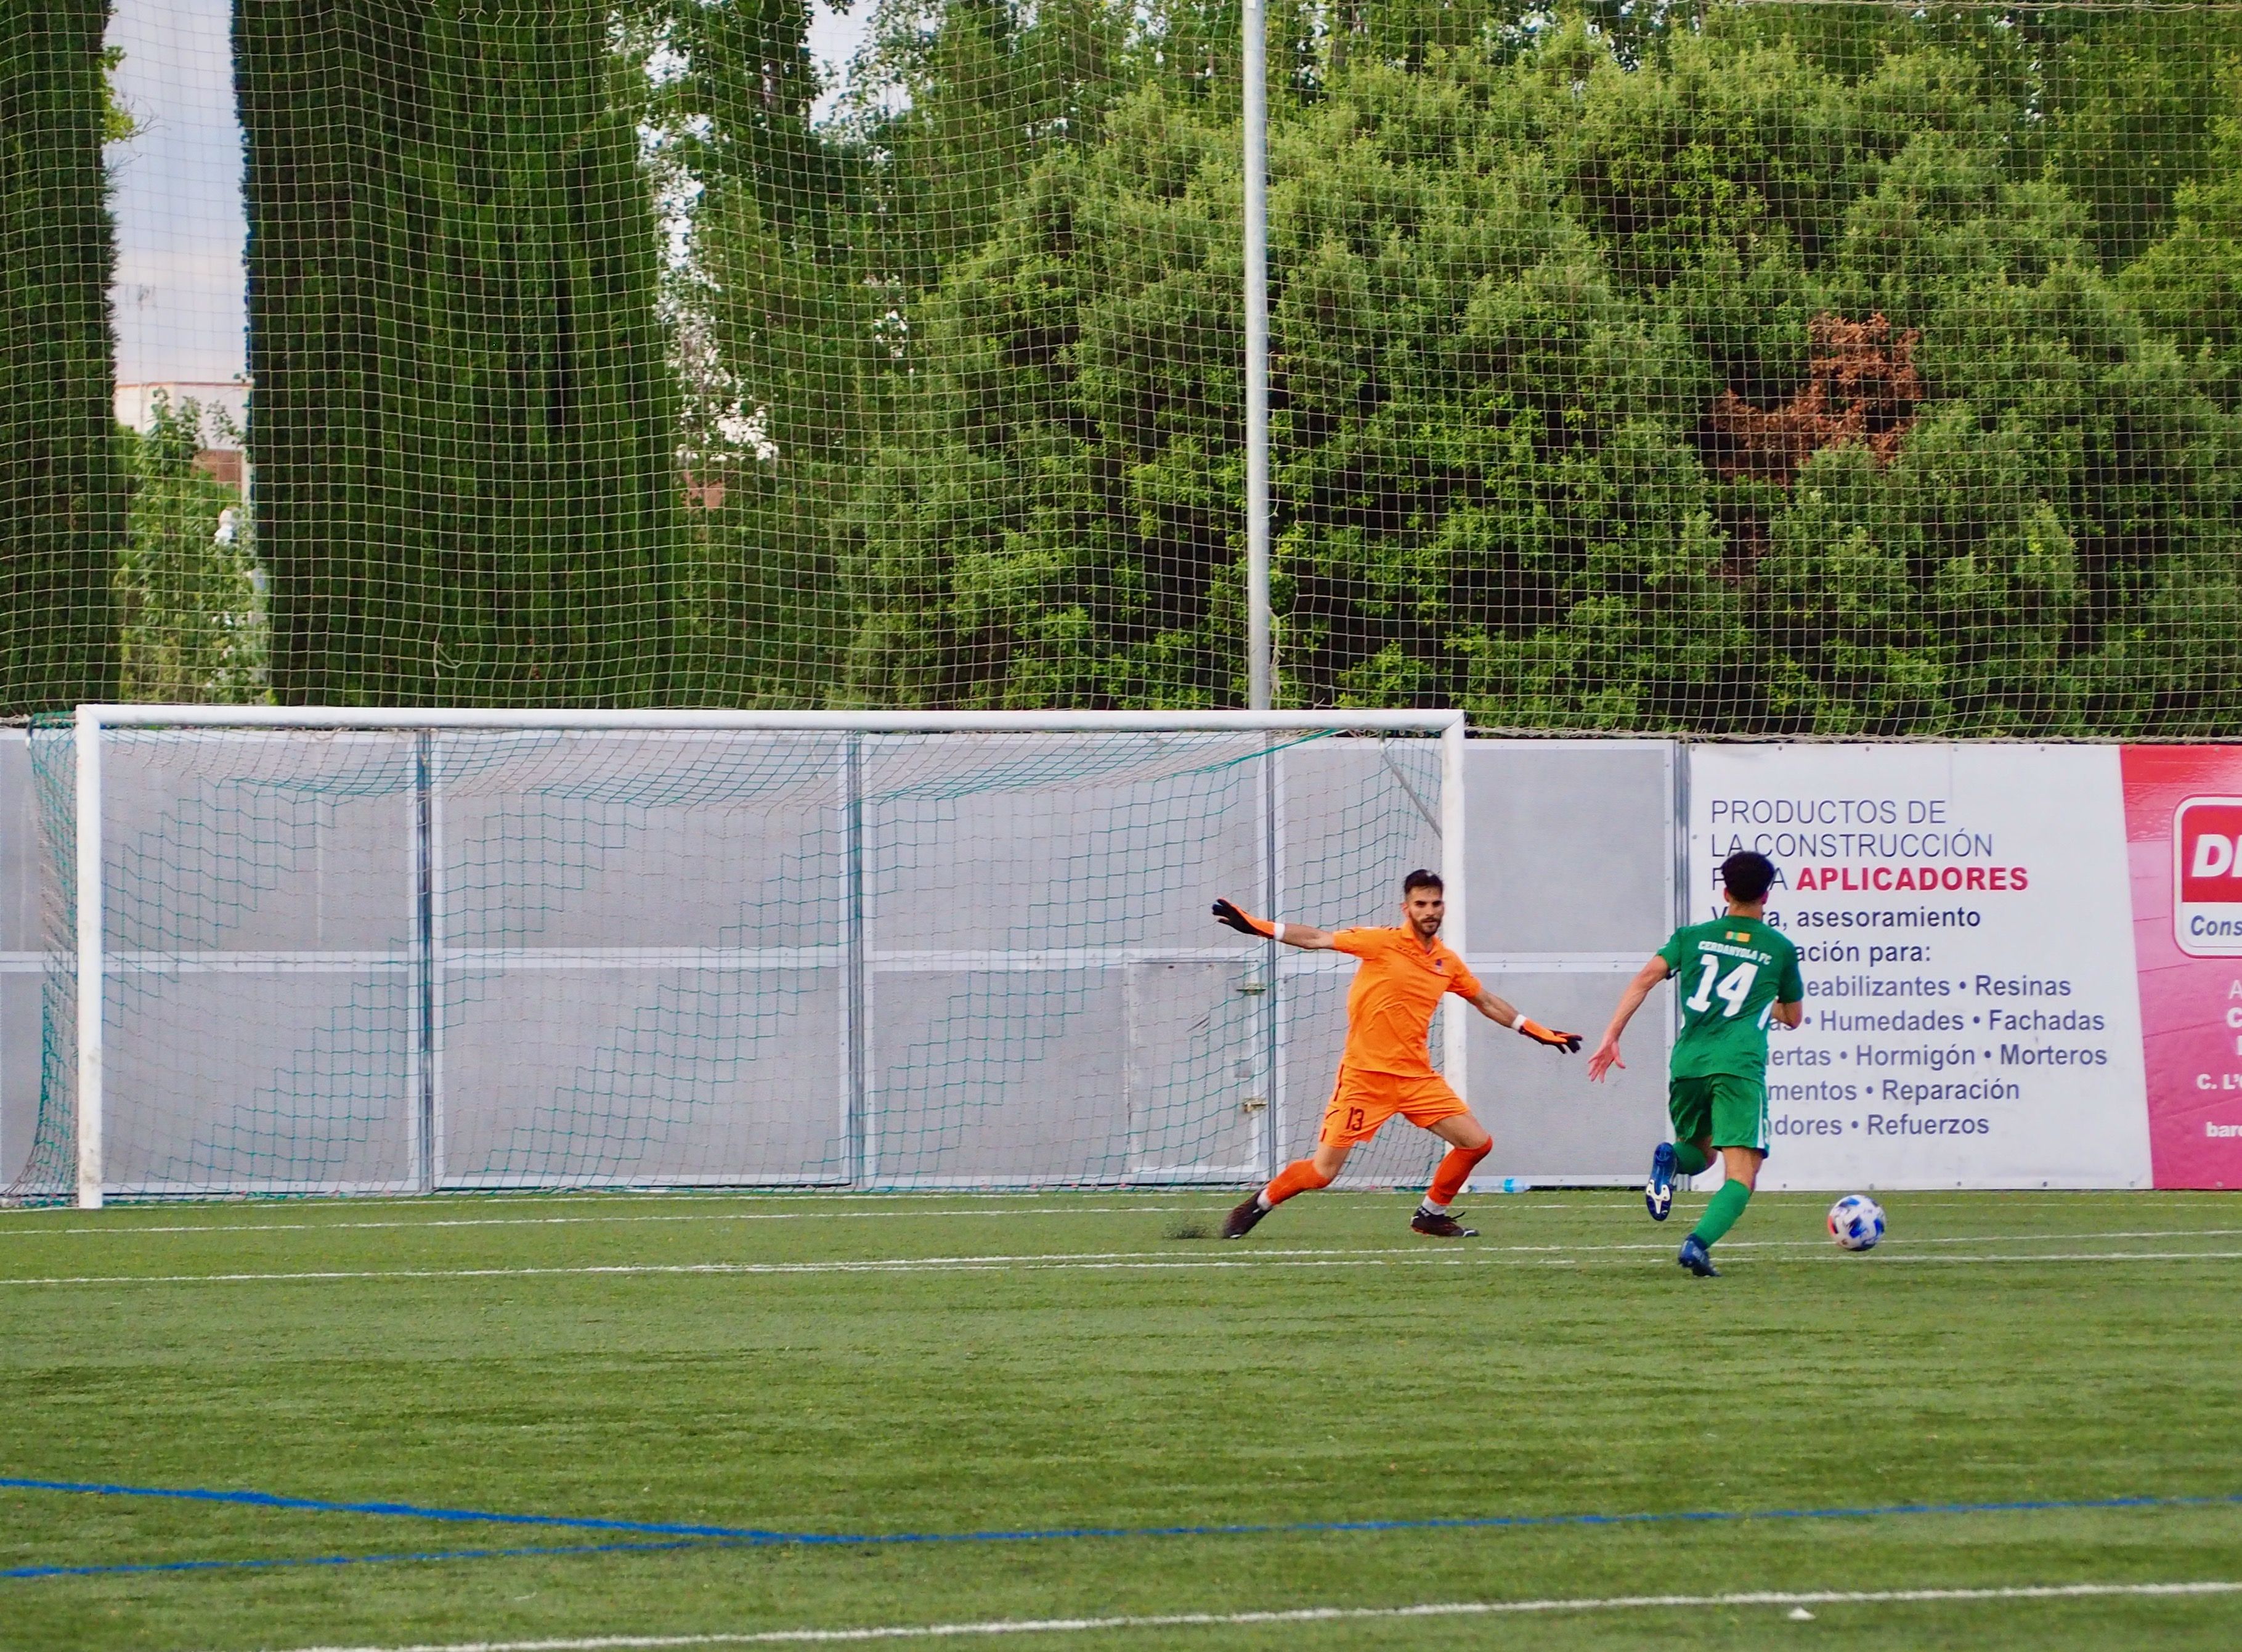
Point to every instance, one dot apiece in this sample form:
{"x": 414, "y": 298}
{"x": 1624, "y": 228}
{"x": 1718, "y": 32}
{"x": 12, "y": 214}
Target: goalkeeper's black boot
{"x": 1440, "y": 1224}
{"x": 1240, "y": 1221}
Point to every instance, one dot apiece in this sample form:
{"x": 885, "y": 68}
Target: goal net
{"x": 678, "y": 949}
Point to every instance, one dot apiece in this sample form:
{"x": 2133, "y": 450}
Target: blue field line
{"x": 753, "y": 1536}
{"x": 265, "y": 1562}
{"x": 409, "y": 1511}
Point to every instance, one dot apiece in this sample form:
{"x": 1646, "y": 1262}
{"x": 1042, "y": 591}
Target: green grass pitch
{"x": 818, "y": 1364}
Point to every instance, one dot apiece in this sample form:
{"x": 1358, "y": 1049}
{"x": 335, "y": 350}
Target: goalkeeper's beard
{"x": 1427, "y": 929}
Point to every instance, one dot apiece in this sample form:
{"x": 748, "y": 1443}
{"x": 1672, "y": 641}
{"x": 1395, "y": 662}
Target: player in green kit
{"x": 1735, "y": 974}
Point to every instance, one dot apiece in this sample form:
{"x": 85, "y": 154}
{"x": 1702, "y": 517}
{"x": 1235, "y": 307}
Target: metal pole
{"x": 862, "y": 1148}
{"x": 1455, "y": 1026}
{"x": 210, "y": 716}
{"x": 1272, "y": 895}
{"x": 1683, "y": 896}
{"x": 424, "y": 931}
{"x": 87, "y": 880}
{"x": 1258, "y": 660}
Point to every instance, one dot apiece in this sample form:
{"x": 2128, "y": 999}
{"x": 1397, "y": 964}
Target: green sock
{"x": 1721, "y": 1211}
{"x": 1688, "y": 1159}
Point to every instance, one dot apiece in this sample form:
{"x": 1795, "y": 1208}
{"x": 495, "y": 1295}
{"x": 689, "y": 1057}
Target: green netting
{"x": 397, "y": 961}
{"x": 1747, "y": 367}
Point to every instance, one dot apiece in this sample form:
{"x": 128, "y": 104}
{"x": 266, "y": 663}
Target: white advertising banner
{"x": 1966, "y": 929}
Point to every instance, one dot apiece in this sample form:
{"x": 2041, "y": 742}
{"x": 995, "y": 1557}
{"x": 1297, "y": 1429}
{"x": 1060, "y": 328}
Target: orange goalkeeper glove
{"x": 1567, "y": 1041}
{"x": 1229, "y": 914}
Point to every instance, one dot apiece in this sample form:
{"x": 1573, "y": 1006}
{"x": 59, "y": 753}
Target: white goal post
{"x": 93, "y": 922}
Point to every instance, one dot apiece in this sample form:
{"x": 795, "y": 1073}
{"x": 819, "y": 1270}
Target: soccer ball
{"x": 1857, "y": 1222}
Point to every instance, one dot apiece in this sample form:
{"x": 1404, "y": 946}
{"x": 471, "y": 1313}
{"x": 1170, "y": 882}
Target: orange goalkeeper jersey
{"x": 1389, "y": 1008}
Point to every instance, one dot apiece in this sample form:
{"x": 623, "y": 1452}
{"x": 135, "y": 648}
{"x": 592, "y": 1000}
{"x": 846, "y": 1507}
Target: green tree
{"x": 2189, "y": 283}
{"x": 1514, "y": 282}
{"x": 190, "y": 593}
{"x": 2134, "y": 102}
{"x": 813, "y": 256}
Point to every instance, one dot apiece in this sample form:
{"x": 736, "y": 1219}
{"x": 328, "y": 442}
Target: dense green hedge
{"x": 464, "y": 419}
{"x": 62, "y": 482}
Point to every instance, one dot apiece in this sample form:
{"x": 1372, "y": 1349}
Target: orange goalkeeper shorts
{"x": 1362, "y": 1101}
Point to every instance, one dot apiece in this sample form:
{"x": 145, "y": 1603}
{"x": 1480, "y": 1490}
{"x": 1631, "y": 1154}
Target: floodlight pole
{"x": 1258, "y": 661}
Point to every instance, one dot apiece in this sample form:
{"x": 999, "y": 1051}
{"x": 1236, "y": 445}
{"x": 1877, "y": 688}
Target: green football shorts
{"x": 1733, "y": 1110}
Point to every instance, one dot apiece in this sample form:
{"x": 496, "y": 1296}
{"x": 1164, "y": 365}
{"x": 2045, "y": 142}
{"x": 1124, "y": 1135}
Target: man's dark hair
{"x": 1421, "y": 879}
{"x": 1747, "y": 876}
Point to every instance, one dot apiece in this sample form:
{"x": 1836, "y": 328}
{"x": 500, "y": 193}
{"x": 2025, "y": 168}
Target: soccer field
{"x": 773, "y": 1418}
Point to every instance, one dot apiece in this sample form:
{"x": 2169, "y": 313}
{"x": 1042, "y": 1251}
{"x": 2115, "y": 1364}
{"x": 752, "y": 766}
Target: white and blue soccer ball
{"x": 1857, "y": 1222}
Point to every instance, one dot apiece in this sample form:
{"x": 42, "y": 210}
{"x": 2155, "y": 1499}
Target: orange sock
{"x": 1455, "y": 1170}
{"x": 1299, "y": 1177}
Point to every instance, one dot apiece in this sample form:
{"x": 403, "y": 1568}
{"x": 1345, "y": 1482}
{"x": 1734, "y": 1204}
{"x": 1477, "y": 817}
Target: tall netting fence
{"x": 1747, "y": 367}
{"x": 398, "y": 960}
{"x": 1784, "y": 368}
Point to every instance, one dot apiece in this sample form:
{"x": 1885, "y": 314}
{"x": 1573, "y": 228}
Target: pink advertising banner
{"x": 2183, "y": 843}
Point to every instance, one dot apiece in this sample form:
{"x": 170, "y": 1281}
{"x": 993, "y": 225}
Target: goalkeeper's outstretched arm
{"x": 1306, "y": 936}
{"x": 1504, "y": 1013}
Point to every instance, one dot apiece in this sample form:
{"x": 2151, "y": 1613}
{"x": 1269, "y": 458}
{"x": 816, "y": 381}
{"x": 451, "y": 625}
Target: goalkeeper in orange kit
{"x": 1385, "y": 1070}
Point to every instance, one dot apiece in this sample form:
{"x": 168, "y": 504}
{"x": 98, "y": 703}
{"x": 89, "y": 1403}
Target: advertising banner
{"x": 2183, "y": 838}
{"x": 1966, "y": 931}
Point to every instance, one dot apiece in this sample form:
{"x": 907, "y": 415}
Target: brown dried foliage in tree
{"x": 1862, "y": 386}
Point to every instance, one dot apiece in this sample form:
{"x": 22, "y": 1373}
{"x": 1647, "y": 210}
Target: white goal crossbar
{"x": 92, "y": 720}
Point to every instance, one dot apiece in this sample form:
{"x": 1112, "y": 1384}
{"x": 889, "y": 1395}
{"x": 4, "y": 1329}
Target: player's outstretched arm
{"x": 1306, "y": 936}
{"x": 1505, "y": 1013}
{"x": 1606, "y": 1055}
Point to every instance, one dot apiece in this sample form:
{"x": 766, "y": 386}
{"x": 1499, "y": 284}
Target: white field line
{"x": 1583, "y": 1198}
{"x": 1329, "y": 1615}
{"x": 1096, "y": 1261}
{"x": 1552, "y": 1197}
{"x": 125, "y": 1232}
{"x": 1079, "y": 1210}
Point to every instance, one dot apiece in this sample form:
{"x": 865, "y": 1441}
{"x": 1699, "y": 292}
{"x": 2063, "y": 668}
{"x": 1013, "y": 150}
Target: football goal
{"x": 309, "y": 950}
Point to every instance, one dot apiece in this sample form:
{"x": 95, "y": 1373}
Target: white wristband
{"x": 1278, "y": 933}
{"x": 1518, "y": 1025}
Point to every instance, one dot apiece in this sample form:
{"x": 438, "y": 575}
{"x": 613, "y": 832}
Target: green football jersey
{"x": 1729, "y": 974}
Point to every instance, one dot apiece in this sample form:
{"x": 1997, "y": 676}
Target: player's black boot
{"x": 1440, "y": 1224}
{"x": 1240, "y": 1221}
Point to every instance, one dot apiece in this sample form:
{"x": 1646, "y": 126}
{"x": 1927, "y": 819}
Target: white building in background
{"x": 223, "y": 461}
{"x": 136, "y": 403}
